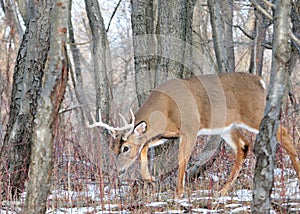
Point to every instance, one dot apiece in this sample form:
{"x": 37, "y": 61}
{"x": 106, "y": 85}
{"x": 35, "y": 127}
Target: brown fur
{"x": 182, "y": 108}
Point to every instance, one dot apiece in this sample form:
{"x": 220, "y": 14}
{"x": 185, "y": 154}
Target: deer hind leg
{"x": 240, "y": 146}
{"x": 285, "y": 141}
{"x": 144, "y": 165}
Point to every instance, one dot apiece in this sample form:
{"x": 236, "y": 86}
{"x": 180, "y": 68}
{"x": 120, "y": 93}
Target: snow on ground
{"x": 286, "y": 194}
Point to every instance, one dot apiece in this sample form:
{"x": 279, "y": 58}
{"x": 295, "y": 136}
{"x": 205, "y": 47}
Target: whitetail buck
{"x": 205, "y": 105}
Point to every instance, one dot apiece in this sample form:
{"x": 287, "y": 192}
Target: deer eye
{"x": 125, "y": 149}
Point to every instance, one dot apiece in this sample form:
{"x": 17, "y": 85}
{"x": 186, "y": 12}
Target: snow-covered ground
{"x": 285, "y": 197}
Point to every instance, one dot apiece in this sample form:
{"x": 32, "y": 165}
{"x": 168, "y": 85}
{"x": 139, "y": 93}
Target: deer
{"x": 212, "y": 104}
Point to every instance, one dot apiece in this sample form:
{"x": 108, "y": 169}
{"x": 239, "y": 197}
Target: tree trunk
{"x": 174, "y": 36}
{"x": 295, "y": 19}
{"x": 101, "y": 58}
{"x": 257, "y": 53}
{"x": 174, "y": 54}
{"x": 53, "y": 90}
{"x": 227, "y": 14}
{"x": 77, "y": 76}
{"x": 203, "y": 55}
{"x": 265, "y": 145}
{"x": 221, "y": 23}
{"x": 144, "y": 45}
{"x": 28, "y": 72}
{"x": 12, "y": 18}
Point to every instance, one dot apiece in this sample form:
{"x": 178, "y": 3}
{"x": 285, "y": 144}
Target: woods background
{"x": 63, "y": 60}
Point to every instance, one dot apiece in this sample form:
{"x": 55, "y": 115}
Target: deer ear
{"x": 140, "y": 129}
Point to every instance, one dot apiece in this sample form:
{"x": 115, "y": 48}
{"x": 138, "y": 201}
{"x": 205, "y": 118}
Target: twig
{"x": 113, "y": 14}
{"x": 269, "y": 4}
{"x": 82, "y": 43}
{"x": 263, "y": 11}
{"x": 243, "y": 31}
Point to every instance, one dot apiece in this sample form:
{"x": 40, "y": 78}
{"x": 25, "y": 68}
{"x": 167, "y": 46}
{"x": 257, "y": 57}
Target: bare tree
{"x": 26, "y": 90}
{"x": 143, "y": 21}
{"x": 226, "y": 8}
{"x": 101, "y": 58}
{"x": 45, "y": 123}
{"x": 257, "y": 52}
{"x": 221, "y": 13}
{"x": 77, "y": 75}
{"x": 266, "y": 144}
{"x": 295, "y": 19}
{"x": 12, "y": 18}
{"x": 174, "y": 36}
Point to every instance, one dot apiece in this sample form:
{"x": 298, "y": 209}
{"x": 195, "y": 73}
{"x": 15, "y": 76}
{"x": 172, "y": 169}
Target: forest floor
{"x": 129, "y": 199}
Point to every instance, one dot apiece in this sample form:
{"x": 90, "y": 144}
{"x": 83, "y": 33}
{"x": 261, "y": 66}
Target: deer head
{"x": 128, "y": 139}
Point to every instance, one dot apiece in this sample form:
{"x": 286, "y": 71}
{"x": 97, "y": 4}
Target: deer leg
{"x": 283, "y": 138}
{"x": 238, "y": 143}
{"x": 185, "y": 149}
{"x": 144, "y": 165}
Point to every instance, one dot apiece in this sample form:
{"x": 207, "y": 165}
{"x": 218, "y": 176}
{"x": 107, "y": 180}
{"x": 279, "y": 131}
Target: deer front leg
{"x": 184, "y": 153}
{"x": 144, "y": 165}
{"x": 238, "y": 143}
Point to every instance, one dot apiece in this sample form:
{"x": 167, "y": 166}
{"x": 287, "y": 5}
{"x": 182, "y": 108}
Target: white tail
{"x": 204, "y": 105}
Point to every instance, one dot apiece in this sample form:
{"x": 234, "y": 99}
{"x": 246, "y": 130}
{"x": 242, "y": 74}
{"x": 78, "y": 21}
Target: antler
{"x": 112, "y": 130}
{"x": 131, "y": 125}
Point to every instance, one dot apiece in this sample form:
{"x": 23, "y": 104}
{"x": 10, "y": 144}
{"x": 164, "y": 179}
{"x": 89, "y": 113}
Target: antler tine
{"x": 101, "y": 124}
{"x": 132, "y": 117}
{"x": 131, "y": 126}
{"x": 124, "y": 120}
{"x": 111, "y": 129}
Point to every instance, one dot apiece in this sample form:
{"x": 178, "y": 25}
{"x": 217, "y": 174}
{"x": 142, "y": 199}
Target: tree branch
{"x": 263, "y": 11}
{"x": 113, "y": 14}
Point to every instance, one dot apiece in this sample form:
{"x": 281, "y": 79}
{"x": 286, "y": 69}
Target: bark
{"x": 227, "y": 14}
{"x": 12, "y": 19}
{"x": 295, "y": 19}
{"x": 221, "y": 23}
{"x": 103, "y": 79}
{"x": 188, "y": 68}
{"x": 77, "y": 75}
{"x": 101, "y": 58}
{"x": 203, "y": 55}
{"x": 28, "y": 72}
{"x": 257, "y": 53}
{"x": 265, "y": 145}
{"x": 23, "y": 9}
{"x": 174, "y": 36}
{"x": 142, "y": 21}
{"x": 53, "y": 90}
